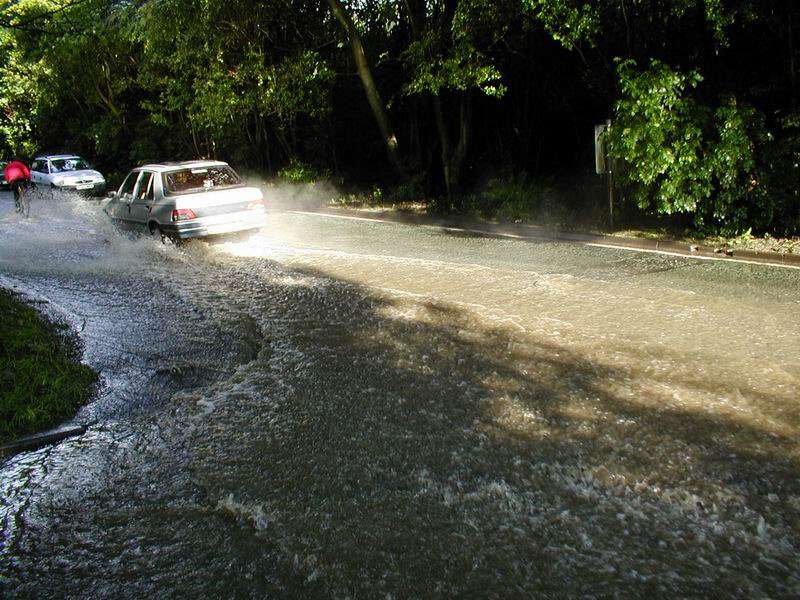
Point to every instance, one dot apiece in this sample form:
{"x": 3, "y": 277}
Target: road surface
{"x": 333, "y": 407}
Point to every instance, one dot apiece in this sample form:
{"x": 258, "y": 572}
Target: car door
{"x": 142, "y": 202}
{"x": 124, "y": 197}
{"x": 39, "y": 171}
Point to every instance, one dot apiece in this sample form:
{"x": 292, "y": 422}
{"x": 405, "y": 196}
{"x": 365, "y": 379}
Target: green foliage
{"x": 298, "y": 85}
{"x": 271, "y": 83}
{"x": 679, "y": 156}
{"x": 197, "y": 66}
{"x": 41, "y": 380}
{"x": 516, "y": 197}
{"x": 411, "y": 190}
{"x": 719, "y": 18}
{"x": 574, "y": 23}
{"x": 450, "y": 57}
{"x": 570, "y": 22}
{"x": 298, "y": 172}
{"x": 732, "y": 161}
{"x": 158, "y": 80}
{"x": 225, "y": 94}
{"x": 778, "y": 206}
{"x": 462, "y": 69}
{"x": 18, "y": 97}
{"x": 658, "y": 133}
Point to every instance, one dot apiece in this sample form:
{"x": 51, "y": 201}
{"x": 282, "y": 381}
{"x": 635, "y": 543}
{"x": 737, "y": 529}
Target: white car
{"x": 67, "y": 172}
{"x": 187, "y": 199}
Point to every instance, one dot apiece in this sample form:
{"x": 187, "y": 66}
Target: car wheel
{"x": 155, "y": 232}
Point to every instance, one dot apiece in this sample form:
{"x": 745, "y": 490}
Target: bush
{"x": 675, "y": 155}
{"x": 409, "y": 191}
{"x": 516, "y": 197}
{"x": 657, "y": 137}
{"x": 298, "y": 172}
{"x": 779, "y": 207}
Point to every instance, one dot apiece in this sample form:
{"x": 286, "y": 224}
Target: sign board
{"x": 601, "y": 162}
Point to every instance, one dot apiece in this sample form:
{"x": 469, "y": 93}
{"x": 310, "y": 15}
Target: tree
{"x": 703, "y": 92}
{"x": 236, "y": 74}
{"x": 681, "y": 156}
{"x": 18, "y": 99}
{"x": 445, "y": 61}
{"x": 371, "y": 90}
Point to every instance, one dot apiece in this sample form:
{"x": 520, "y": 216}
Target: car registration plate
{"x": 84, "y": 186}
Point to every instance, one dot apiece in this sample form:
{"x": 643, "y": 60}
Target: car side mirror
{"x": 112, "y": 194}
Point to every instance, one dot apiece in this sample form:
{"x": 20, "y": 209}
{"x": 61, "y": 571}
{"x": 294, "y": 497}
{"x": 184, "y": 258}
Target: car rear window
{"x": 200, "y": 179}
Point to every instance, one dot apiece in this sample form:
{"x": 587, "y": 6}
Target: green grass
{"x": 42, "y": 381}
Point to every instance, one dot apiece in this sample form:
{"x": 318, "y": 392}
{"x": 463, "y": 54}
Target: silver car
{"x": 187, "y": 199}
{"x": 67, "y": 172}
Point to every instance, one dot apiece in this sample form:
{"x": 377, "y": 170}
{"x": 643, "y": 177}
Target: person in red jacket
{"x": 18, "y": 177}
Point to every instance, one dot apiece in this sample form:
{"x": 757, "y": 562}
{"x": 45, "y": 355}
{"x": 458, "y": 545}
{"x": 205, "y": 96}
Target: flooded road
{"x": 334, "y": 407}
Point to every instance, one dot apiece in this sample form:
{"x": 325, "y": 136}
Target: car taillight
{"x": 183, "y": 214}
{"x": 256, "y": 204}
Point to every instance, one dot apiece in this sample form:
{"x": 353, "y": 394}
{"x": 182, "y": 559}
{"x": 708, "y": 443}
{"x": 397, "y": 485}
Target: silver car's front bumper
{"x": 95, "y": 189}
{"x": 204, "y": 226}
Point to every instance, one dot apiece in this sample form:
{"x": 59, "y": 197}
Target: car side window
{"x": 145, "y": 191}
{"x": 128, "y": 185}
{"x": 37, "y": 166}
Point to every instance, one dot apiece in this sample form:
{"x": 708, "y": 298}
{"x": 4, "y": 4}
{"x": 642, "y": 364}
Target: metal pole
{"x": 609, "y": 163}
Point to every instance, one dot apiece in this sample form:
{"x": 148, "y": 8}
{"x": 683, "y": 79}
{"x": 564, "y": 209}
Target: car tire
{"x": 155, "y": 232}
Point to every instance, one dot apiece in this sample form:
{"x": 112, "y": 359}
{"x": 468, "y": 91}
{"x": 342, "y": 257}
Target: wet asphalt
{"x": 341, "y": 408}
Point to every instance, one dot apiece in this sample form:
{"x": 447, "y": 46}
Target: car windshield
{"x": 63, "y": 165}
{"x": 200, "y": 179}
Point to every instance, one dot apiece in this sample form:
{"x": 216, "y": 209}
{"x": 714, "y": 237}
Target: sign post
{"x": 603, "y": 164}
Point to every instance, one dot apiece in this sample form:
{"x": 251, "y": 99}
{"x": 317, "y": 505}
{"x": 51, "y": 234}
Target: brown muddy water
{"x": 332, "y": 407}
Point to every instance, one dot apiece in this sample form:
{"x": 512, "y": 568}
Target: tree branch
{"x": 26, "y": 25}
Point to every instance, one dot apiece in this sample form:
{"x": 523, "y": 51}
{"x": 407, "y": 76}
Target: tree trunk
{"x": 452, "y": 158}
{"x": 444, "y": 141}
{"x": 371, "y": 90}
{"x": 262, "y": 141}
{"x": 464, "y": 134}
{"x": 792, "y": 72}
{"x": 332, "y": 134}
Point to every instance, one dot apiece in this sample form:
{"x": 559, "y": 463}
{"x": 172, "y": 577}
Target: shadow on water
{"x": 416, "y": 449}
{"x": 390, "y": 445}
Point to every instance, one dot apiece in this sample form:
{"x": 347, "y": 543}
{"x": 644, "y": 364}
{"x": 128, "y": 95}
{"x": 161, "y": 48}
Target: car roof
{"x": 177, "y": 166}
{"x": 58, "y": 156}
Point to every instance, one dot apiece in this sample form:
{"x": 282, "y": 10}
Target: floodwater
{"x": 334, "y": 407}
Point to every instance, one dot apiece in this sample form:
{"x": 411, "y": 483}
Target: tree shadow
{"x": 382, "y": 444}
{"x": 416, "y": 448}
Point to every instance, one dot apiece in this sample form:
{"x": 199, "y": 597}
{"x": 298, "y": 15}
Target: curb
{"x": 37, "y": 440}
{"x": 539, "y": 232}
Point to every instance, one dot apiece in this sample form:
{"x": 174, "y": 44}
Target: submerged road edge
{"x": 535, "y": 232}
{"x": 44, "y": 438}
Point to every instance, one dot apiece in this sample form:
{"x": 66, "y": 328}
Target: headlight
{"x": 58, "y": 180}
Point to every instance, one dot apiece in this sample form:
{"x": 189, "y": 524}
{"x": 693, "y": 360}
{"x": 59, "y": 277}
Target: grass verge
{"x": 42, "y": 381}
